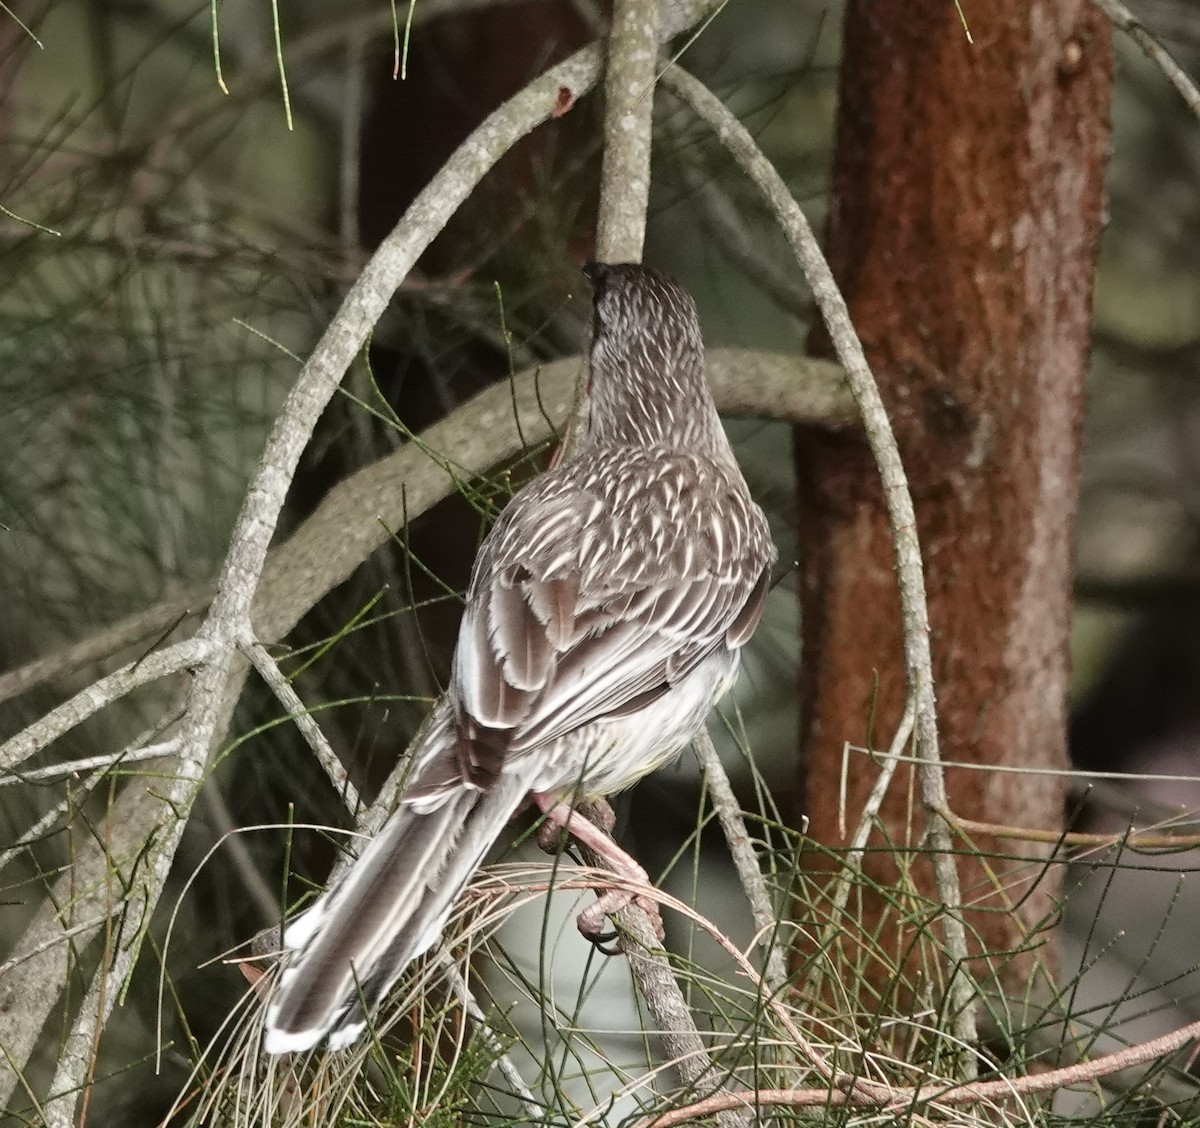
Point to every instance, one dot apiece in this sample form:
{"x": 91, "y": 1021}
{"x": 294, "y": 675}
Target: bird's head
{"x": 646, "y": 378}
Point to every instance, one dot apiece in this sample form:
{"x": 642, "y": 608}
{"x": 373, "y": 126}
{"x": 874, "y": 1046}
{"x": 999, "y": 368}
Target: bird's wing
{"x": 563, "y": 627}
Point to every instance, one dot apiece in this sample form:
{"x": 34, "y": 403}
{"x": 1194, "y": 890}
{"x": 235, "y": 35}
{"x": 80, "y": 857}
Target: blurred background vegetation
{"x": 168, "y": 250}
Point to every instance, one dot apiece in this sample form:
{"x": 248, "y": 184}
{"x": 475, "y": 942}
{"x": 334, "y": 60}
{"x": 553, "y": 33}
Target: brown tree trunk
{"x": 967, "y": 203}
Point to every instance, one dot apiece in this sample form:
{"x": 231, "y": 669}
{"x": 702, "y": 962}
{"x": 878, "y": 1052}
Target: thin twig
{"x": 270, "y": 672}
{"x": 904, "y": 1096}
{"x": 75, "y": 795}
{"x": 1127, "y": 22}
{"x": 737, "y": 835}
{"x": 508, "y": 1070}
{"x": 1130, "y": 839}
{"x": 100, "y": 694}
{"x": 14, "y": 962}
{"x": 852, "y": 863}
{"x": 91, "y": 764}
{"x": 910, "y": 572}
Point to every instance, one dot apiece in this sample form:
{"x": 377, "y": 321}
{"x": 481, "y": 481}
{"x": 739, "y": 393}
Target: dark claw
{"x": 601, "y": 941}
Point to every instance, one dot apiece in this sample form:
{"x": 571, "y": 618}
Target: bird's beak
{"x": 594, "y": 272}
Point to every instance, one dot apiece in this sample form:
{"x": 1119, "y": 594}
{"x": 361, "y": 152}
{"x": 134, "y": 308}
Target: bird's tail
{"x": 391, "y": 906}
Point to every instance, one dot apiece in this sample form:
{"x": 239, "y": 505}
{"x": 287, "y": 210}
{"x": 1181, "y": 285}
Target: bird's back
{"x": 614, "y": 585}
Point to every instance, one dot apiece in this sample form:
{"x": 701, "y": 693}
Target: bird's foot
{"x": 591, "y": 922}
{"x": 559, "y": 816}
{"x": 589, "y": 814}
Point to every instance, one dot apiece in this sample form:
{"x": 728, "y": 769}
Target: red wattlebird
{"x": 605, "y": 616}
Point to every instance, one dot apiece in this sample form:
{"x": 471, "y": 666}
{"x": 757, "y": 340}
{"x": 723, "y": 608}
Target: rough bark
{"x": 967, "y": 202}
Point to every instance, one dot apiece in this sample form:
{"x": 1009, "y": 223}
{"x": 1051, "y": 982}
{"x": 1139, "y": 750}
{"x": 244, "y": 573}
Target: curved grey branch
{"x": 909, "y": 568}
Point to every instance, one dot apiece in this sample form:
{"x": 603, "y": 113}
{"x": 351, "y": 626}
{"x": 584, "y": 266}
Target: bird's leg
{"x": 597, "y": 812}
{"x": 561, "y": 816}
